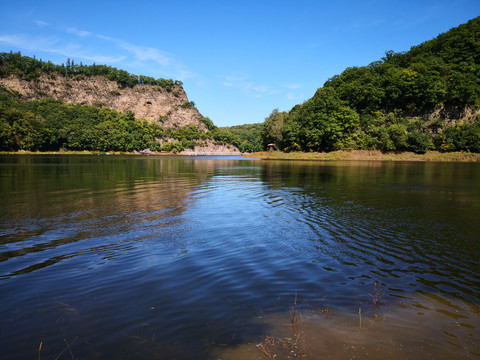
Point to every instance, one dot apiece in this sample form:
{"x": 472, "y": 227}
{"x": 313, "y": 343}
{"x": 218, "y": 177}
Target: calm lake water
{"x": 111, "y": 257}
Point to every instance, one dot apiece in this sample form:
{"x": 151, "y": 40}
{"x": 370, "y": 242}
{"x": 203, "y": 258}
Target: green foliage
{"x": 208, "y": 123}
{"x": 460, "y": 137}
{"x": 385, "y": 105}
{"x": 323, "y": 123}
{"x": 30, "y": 68}
{"x": 189, "y": 133}
{"x": 50, "y": 125}
{"x": 273, "y": 128}
{"x": 419, "y": 143}
{"x": 188, "y": 105}
{"x": 247, "y": 138}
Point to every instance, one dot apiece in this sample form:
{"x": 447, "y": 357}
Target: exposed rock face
{"x": 211, "y": 149}
{"x": 454, "y": 114}
{"x": 152, "y": 103}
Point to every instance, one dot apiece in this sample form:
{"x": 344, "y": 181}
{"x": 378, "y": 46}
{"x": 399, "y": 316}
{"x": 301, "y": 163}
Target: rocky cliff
{"x": 153, "y": 103}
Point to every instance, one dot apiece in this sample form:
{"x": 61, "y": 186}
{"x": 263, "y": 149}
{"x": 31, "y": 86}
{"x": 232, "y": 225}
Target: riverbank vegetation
{"x": 425, "y": 99}
{"x": 367, "y": 155}
{"x": 50, "y": 125}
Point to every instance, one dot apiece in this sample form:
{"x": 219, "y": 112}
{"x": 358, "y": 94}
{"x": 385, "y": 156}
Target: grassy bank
{"x": 367, "y": 155}
{"x": 278, "y": 155}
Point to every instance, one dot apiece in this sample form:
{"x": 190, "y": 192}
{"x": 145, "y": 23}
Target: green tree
{"x": 273, "y": 128}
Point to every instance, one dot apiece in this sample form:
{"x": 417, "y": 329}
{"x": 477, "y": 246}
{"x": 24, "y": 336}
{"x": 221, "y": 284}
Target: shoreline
{"x": 135, "y": 153}
{"x": 341, "y": 155}
{"x": 367, "y": 155}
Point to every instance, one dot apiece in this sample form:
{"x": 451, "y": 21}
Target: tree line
{"x": 51, "y": 125}
{"x": 389, "y": 104}
{"x": 29, "y": 68}
{"x": 247, "y": 138}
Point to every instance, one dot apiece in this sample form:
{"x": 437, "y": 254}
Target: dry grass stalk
{"x": 360, "y": 317}
{"x": 377, "y": 293}
{"x": 67, "y": 347}
{"x": 40, "y": 349}
{"x": 294, "y": 314}
{"x": 267, "y": 346}
{"x": 292, "y": 347}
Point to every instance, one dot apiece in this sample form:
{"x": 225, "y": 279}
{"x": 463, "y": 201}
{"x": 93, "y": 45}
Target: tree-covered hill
{"x": 248, "y": 137}
{"x": 424, "y": 99}
{"x": 48, "y": 107}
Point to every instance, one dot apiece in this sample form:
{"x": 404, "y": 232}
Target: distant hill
{"x": 424, "y": 99}
{"x": 48, "y": 107}
{"x": 248, "y": 137}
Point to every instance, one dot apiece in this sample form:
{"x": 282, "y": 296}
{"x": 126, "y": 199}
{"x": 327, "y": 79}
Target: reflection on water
{"x": 187, "y": 258}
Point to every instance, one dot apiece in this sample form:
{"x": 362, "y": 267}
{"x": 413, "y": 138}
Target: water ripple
{"x": 165, "y": 257}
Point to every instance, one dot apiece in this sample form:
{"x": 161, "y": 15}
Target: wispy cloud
{"x": 249, "y": 88}
{"x": 292, "y": 86}
{"x": 145, "y": 53}
{"x": 55, "y": 46}
{"x": 291, "y": 96}
{"x": 40, "y": 23}
{"x": 82, "y": 44}
{"x": 28, "y": 43}
{"x": 75, "y": 31}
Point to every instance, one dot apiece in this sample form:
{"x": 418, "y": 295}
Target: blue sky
{"x": 238, "y": 60}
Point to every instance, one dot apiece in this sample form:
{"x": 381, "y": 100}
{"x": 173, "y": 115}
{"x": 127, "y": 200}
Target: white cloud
{"x": 145, "y": 53}
{"x": 25, "y": 42}
{"x": 183, "y": 75}
{"x": 40, "y": 23}
{"x": 81, "y": 33}
{"x": 291, "y": 96}
{"x": 55, "y": 46}
{"x": 249, "y": 88}
{"x": 292, "y": 86}
{"x": 141, "y": 55}
{"x": 72, "y": 42}
{"x": 260, "y": 89}
{"x": 99, "y": 59}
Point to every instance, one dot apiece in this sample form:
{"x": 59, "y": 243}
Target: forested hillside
{"x": 425, "y": 99}
{"x": 48, "y": 107}
{"x": 248, "y": 137}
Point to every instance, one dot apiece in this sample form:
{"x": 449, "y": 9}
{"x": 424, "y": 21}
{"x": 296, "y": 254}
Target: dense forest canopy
{"x": 50, "y": 125}
{"x": 412, "y": 101}
{"x": 247, "y": 138}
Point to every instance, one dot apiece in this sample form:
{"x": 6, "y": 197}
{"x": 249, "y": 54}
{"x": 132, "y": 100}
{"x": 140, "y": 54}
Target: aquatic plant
{"x": 294, "y": 345}
{"x": 267, "y": 347}
{"x": 377, "y": 293}
{"x": 67, "y": 347}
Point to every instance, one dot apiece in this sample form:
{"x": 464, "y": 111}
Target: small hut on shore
{"x": 271, "y": 147}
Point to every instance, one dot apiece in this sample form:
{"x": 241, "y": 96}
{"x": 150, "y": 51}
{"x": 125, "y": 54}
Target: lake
{"x": 149, "y": 257}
